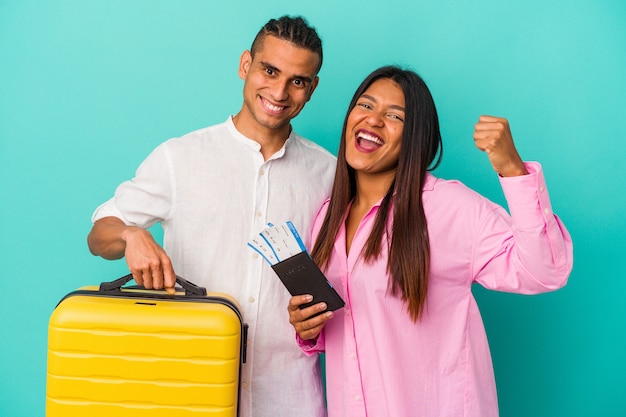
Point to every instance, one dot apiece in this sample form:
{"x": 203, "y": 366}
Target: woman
{"x": 403, "y": 248}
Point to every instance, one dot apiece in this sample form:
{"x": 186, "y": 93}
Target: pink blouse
{"x": 379, "y": 362}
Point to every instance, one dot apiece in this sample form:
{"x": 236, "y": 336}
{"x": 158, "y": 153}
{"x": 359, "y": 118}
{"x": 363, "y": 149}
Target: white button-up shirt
{"x": 212, "y": 191}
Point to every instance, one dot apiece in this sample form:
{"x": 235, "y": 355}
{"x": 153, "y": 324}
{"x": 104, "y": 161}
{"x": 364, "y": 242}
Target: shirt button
{"x": 261, "y": 172}
{"x": 244, "y": 384}
{"x": 542, "y": 189}
{"x": 251, "y": 299}
{"x": 255, "y": 255}
{"x": 357, "y": 398}
{"x": 352, "y": 355}
{"x": 258, "y": 214}
{"x": 546, "y": 210}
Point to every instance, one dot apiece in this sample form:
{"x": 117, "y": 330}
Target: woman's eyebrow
{"x": 392, "y": 106}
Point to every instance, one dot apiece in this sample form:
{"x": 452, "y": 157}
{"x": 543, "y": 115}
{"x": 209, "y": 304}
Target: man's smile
{"x": 272, "y": 108}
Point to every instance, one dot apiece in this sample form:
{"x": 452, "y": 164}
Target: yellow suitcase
{"x": 117, "y": 351}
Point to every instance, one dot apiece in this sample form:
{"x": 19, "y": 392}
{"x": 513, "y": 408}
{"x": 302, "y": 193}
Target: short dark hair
{"x": 293, "y": 29}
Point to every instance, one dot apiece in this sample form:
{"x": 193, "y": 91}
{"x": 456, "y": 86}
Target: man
{"x": 215, "y": 188}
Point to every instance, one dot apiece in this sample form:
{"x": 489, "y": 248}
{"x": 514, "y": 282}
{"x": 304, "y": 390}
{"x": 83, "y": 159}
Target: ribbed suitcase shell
{"x": 139, "y": 354}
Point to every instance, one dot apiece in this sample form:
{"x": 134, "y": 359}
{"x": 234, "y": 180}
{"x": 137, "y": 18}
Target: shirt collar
{"x": 254, "y": 145}
{"x": 429, "y": 182}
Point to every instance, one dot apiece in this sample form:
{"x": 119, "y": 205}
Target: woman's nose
{"x": 375, "y": 119}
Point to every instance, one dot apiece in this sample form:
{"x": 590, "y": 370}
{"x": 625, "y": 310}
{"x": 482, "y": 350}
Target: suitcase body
{"x": 128, "y": 352}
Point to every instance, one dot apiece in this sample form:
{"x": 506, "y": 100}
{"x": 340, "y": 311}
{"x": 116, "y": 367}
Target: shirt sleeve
{"x": 148, "y": 197}
{"x": 529, "y": 251}
{"x": 311, "y": 347}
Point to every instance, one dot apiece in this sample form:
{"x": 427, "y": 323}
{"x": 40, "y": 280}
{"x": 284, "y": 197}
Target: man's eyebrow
{"x": 392, "y": 106}
{"x": 267, "y": 65}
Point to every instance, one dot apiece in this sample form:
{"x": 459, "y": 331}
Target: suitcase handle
{"x": 116, "y": 286}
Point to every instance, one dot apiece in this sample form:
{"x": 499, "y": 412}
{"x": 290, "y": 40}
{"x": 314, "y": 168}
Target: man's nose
{"x": 280, "y": 90}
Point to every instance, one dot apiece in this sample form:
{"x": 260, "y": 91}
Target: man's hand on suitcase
{"x": 306, "y": 327}
{"x": 147, "y": 261}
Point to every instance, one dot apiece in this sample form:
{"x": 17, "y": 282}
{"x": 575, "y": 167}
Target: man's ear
{"x": 314, "y": 83}
{"x": 244, "y": 64}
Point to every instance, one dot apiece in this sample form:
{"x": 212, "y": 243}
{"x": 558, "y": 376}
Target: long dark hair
{"x": 421, "y": 151}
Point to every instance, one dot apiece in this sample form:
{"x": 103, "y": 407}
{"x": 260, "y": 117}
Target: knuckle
{"x": 154, "y": 264}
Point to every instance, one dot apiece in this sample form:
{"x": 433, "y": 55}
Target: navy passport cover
{"x": 302, "y": 276}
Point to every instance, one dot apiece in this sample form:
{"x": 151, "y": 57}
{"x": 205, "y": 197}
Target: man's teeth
{"x": 371, "y": 138}
{"x": 272, "y": 107}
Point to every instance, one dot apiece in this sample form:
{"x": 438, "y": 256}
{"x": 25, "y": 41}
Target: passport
{"x": 281, "y": 247}
{"x": 301, "y": 275}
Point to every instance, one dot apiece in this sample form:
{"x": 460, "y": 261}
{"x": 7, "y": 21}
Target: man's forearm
{"x": 106, "y": 238}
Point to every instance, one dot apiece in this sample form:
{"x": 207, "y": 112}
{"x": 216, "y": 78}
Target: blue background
{"x": 89, "y": 88}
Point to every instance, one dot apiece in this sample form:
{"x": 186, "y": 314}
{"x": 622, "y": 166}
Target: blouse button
{"x": 251, "y": 299}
